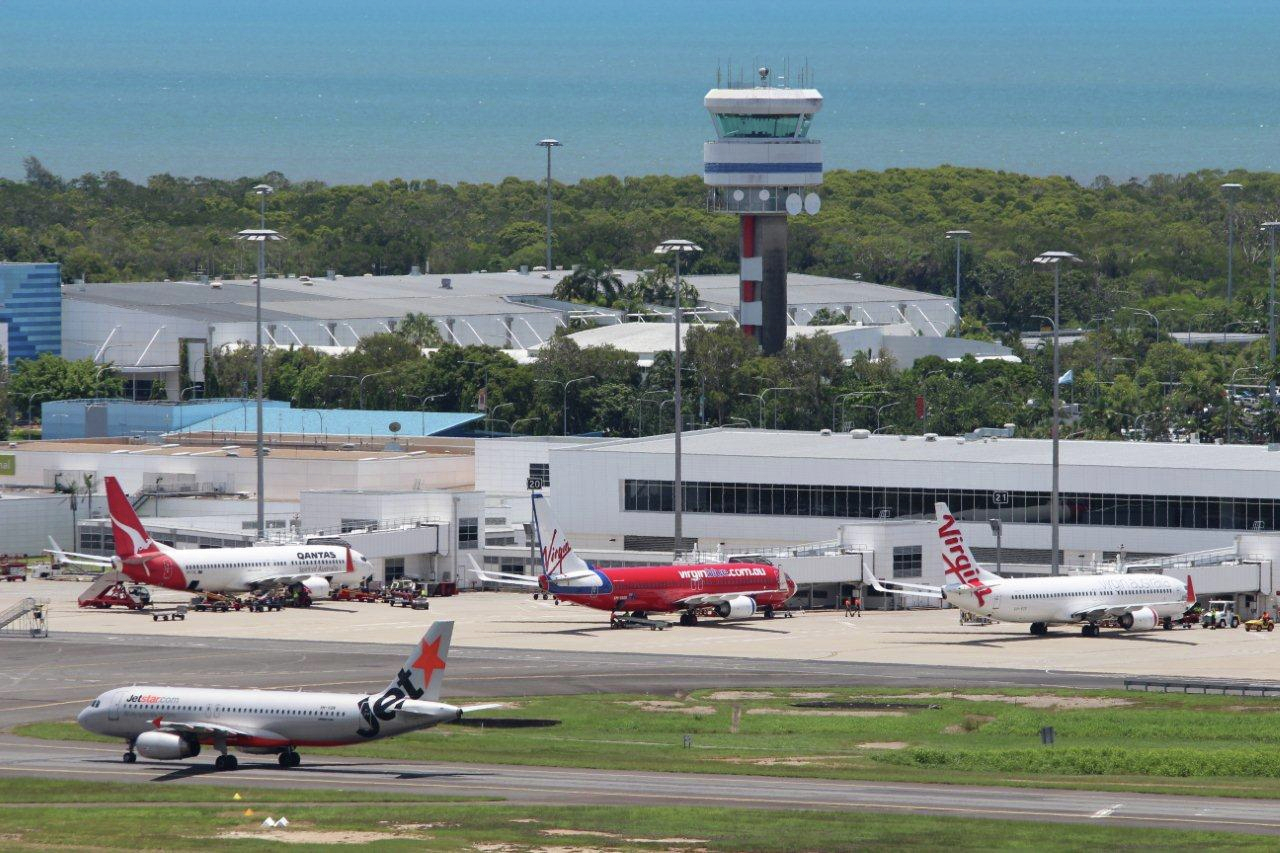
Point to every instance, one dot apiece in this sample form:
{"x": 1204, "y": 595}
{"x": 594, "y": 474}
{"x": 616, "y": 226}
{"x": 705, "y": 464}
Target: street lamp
{"x": 564, "y": 411}
{"x": 31, "y": 399}
{"x": 1146, "y": 313}
{"x": 489, "y": 414}
{"x": 1055, "y": 259}
{"x": 677, "y": 248}
{"x": 549, "y": 144}
{"x": 260, "y": 235}
{"x": 423, "y": 400}
{"x": 959, "y": 236}
{"x": 360, "y": 381}
{"x": 1231, "y": 396}
{"x": 1231, "y": 191}
{"x": 1270, "y": 228}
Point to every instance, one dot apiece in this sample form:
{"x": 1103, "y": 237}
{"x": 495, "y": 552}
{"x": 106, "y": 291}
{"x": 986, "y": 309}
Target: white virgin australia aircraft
{"x": 144, "y": 560}
{"x": 171, "y": 723}
{"x": 1135, "y": 602}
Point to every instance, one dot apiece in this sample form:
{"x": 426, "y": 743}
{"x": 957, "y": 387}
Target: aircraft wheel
{"x": 1039, "y": 628}
{"x": 1168, "y": 623}
{"x": 768, "y": 612}
{"x": 130, "y": 757}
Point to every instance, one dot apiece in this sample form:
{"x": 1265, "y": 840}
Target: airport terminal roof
{"x": 336, "y": 422}
{"x": 649, "y": 338}
{"x": 342, "y": 298}
{"x": 804, "y": 289}
{"x": 756, "y": 443}
{"x": 469, "y": 294}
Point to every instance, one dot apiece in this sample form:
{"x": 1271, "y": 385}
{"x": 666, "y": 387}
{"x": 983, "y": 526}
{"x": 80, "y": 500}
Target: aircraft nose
{"x": 84, "y": 716}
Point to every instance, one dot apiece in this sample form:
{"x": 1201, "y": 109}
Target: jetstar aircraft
{"x": 215, "y": 569}
{"x": 172, "y": 723}
{"x": 727, "y": 590}
{"x": 1135, "y": 602}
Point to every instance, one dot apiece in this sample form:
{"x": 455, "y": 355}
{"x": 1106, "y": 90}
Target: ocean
{"x": 462, "y": 91}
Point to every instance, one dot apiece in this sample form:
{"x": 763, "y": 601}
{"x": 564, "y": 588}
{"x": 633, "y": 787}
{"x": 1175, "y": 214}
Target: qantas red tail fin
{"x": 1191, "y": 591}
{"x": 130, "y": 536}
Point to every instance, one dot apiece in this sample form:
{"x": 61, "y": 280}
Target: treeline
{"x": 1125, "y": 381}
{"x": 1158, "y": 244}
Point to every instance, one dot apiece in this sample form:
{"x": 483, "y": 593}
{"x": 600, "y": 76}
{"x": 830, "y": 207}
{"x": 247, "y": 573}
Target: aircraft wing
{"x": 208, "y": 729}
{"x": 899, "y": 588}
{"x": 71, "y": 557}
{"x": 717, "y": 597}
{"x": 1106, "y": 611}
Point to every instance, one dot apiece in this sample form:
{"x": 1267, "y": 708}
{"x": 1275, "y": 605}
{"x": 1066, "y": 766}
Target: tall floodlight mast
{"x": 763, "y": 167}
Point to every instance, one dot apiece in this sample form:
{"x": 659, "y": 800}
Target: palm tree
{"x": 419, "y": 330}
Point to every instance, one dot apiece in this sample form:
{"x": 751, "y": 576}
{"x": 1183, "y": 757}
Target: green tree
{"x": 49, "y": 377}
{"x": 420, "y": 330}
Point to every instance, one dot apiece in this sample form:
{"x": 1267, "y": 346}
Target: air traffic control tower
{"x": 763, "y": 167}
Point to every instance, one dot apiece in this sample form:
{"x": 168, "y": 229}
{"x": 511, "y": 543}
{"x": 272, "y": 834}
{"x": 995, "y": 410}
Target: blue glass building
{"x": 31, "y": 303}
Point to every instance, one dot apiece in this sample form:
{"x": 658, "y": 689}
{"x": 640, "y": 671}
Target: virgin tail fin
{"x": 558, "y": 557}
{"x": 960, "y": 564}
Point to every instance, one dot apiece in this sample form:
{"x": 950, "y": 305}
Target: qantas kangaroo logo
{"x": 139, "y": 542}
{"x": 957, "y": 560}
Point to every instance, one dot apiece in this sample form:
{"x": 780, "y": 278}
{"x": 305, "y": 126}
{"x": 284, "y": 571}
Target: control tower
{"x": 763, "y": 167}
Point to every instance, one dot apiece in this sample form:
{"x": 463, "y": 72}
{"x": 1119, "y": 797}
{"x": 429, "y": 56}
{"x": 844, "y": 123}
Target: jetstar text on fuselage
{"x": 957, "y": 561}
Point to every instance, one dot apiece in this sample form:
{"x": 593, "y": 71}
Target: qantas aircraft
{"x": 172, "y": 723}
{"x": 727, "y": 590}
{"x": 215, "y": 569}
{"x": 1136, "y": 602}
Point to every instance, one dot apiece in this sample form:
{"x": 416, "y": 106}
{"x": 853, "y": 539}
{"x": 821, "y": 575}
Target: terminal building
{"x": 824, "y": 506}
{"x": 30, "y": 309}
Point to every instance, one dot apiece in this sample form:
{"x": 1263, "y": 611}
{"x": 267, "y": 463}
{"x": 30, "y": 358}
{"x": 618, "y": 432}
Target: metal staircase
{"x": 27, "y": 618}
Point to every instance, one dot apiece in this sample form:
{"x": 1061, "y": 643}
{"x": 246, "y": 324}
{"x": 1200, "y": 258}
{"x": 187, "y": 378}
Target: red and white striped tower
{"x": 763, "y": 167}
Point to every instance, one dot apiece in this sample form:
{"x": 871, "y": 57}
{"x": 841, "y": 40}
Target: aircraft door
{"x": 113, "y": 709}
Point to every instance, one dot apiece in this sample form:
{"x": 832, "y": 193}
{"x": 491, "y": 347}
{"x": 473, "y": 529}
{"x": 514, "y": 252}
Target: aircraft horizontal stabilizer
{"x": 471, "y": 709}
{"x": 899, "y": 588}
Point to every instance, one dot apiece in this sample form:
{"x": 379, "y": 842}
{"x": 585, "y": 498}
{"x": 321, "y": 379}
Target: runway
{"x": 100, "y": 762}
{"x": 51, "y": 679}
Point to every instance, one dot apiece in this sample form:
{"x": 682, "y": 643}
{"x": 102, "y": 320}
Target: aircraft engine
{"x": 166, "y": 746}
{"x": 738, "y": 607}
{"x": 317, "y": 587}
{"x": 1139, "y": 620}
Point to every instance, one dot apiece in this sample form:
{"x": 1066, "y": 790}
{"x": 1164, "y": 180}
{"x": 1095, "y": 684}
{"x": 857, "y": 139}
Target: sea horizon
{"x": 326, "y": 91}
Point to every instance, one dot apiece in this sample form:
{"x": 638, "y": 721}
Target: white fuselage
{"x": 1059, "y": 600}
{"x": 241, "y": 569}
{"x": 270, "y": 719}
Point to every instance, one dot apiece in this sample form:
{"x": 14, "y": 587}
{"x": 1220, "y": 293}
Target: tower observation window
{"x": 735, "y": 126}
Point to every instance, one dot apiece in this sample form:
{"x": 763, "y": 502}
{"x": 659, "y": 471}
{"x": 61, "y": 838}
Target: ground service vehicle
{"x": 1262, "y": 623}
{"x": 1220, "y": 614}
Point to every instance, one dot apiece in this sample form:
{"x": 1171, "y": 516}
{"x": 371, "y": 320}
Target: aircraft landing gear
{"x": 1039, "y": 628}
{"x": 226, "y": 761}
{"x": 130, "y": 757}
{"x": 1090, "y": 630}
{"x": 289, "y": 758}
{"x": 1167, "y": 624}
{"x": 688, "y": 618}
{"x": 768, "y": 611}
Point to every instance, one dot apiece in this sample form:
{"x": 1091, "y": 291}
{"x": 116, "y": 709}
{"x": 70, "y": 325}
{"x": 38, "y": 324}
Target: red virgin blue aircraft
{"x": 727, "y": 590}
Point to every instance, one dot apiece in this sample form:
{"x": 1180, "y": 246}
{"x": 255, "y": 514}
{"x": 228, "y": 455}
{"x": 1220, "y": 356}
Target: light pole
{"x": 359, "y": 380}
{"x": 1270, "y": 228}
{"x": 677, "y": 248}
{"x": 1055, "y": 259}
{"x": 959, "y": 236}
{"x": 1146, "y": 313}
{"x": 260, "y": 235}
{"x": 1231, "y": 190}
{"x": 564, "y": 409}
{"x": 31, "y": 399}
{"x": 549, "y": 144}
{"x": 1231, "y": 396}
{"x": 489, "y": 414}
{"x": 423, "y": 411}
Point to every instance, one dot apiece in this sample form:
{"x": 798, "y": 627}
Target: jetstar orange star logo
{"x": 429, "y": 661}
